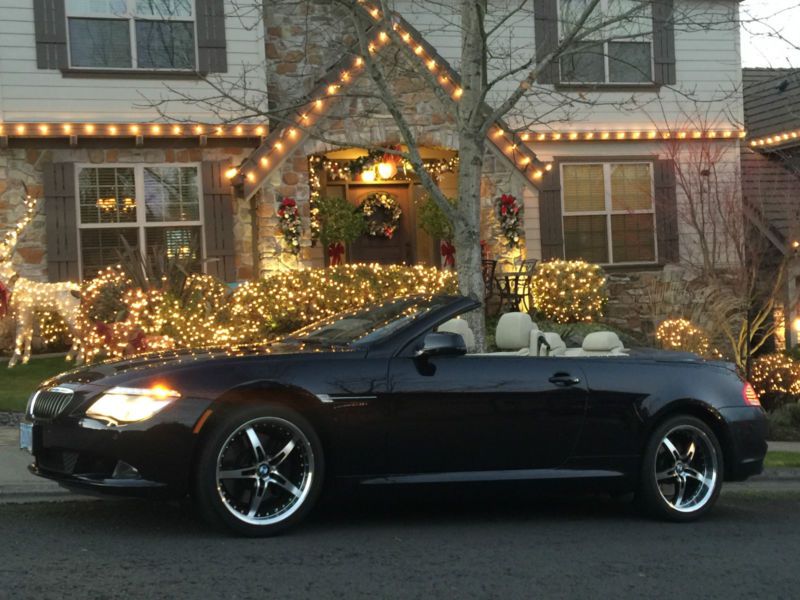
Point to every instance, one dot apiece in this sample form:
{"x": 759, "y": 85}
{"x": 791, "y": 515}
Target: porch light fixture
{"x": 386, "y": 170}
{"x": 368, "y": 176}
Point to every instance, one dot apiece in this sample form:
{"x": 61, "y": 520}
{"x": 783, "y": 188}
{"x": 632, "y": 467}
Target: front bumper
{"x": 747, "y": 443}
{"x": 151, "y": 458}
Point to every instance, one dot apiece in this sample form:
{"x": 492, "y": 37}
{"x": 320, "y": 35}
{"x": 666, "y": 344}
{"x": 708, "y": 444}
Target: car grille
{"x": 48, "y": 404}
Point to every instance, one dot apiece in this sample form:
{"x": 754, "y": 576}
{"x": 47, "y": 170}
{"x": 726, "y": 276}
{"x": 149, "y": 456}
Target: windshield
{"x": 367, "y": 325}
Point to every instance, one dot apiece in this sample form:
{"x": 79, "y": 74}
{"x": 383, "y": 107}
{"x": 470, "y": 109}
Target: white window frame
{"x": 609, "y": 211}
{"x": 140, "y": 224}
{"x": 603, "y": 7}
{"x": 131, "y": 16}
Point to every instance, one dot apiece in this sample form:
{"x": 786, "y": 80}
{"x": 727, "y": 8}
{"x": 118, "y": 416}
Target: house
{"x": 146, "y": 124}
{"x": 771, "y": 172}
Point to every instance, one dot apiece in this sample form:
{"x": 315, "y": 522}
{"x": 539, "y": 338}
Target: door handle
{"x": 564, "y": 379}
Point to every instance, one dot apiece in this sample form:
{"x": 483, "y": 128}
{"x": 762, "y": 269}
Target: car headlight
{"x": 130, "y": 405}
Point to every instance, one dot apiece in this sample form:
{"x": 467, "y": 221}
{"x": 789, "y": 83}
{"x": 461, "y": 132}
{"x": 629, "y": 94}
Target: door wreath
{"x": 382, "y": 213}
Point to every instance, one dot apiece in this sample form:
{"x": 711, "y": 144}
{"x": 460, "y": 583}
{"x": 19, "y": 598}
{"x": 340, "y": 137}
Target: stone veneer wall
{"x": 18, "y": 166}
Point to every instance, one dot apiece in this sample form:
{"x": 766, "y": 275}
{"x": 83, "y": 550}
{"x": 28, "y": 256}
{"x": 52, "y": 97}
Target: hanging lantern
{"x": 386, "y": 170}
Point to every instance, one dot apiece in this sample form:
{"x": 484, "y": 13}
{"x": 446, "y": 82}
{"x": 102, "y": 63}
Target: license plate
{"x": 26, "y": 437}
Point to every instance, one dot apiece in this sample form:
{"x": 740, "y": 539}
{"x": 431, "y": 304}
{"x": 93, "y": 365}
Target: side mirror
{"x": 442, "y": 344}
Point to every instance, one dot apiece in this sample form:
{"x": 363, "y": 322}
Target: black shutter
{"x": 212, "y": 54}
{"x": 50, "y": 26}
{"x": 666, "y": 212}
{"x": 61, "y": 226}
{"x": 664, "y": 42}
{"x": 218, "y": 210}
{"x": 550, "y": 222}
{"x": 545, "y": 15}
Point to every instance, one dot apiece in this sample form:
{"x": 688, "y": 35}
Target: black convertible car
{"x": 391, "y": 395}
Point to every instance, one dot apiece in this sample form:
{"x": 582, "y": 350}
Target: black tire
{"x": 229, "y": 502}
{"x": 660, "y": 493}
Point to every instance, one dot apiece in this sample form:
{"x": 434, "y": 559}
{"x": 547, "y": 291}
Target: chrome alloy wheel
{"x": 265, "y": 470}
{"x": 686, "y": 468}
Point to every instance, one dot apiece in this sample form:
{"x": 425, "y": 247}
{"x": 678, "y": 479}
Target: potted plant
{"x": 340, "y": 223}
{"x": 435, "y": 223}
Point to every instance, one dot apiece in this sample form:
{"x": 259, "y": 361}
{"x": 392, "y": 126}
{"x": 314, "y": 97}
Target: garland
{"x": 382, "y": 214}
{"x": 508, "y": 213}
{"x": 291, "y": 224}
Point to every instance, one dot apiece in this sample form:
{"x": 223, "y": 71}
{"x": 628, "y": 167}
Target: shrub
{"x": 681, "y": 334}
{"x": 339, "y": 221}
{"x": 784, "y": 423}
{"x": 776, "y": 378}
{"x": 569, "y": 291}
{"x": 433, "y": 221}
{"x": 285, "y": 301}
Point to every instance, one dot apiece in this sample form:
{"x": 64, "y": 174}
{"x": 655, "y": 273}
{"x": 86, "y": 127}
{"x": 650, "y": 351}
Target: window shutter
{"x": 666, "y": 212}
{"x": 50, "y": 27}
{"x": 218, "y": 209}
{"x": 550, "y": 224}
{"x": 545, "y": 14}
{"x": 664, "y": 42}
{"x": 61, "y": 226}
{"x": 212, "y": 54}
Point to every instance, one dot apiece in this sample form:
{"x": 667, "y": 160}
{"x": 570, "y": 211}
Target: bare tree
{"x": 498, "y": 85}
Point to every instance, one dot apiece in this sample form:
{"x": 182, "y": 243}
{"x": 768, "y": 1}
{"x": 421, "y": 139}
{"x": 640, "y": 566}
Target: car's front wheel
{"x": 682, "y": 470}
{"x": 259, "y": 471}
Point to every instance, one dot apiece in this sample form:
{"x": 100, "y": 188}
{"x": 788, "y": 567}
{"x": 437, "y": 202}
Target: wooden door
{"x": 400, "y": 248}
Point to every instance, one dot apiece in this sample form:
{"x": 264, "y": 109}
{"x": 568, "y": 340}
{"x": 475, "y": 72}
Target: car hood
{"x": 146, "y": 366}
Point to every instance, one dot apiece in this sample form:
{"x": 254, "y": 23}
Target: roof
{"x": 771, "y": 101}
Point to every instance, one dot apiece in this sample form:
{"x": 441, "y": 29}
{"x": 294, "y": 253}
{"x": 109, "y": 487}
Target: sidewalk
{"x": 17, "y": 485}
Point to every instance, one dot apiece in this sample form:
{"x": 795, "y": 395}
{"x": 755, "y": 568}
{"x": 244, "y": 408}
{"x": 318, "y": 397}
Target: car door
{"x": 483, "y": 413}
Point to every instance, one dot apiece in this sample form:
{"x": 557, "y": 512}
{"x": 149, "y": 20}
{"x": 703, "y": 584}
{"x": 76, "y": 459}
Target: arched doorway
{"x": 348, "y": 174}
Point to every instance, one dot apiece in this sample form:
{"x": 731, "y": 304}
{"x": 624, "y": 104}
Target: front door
{"x": 378, "y": 248}
{"x": 484, "y": 413}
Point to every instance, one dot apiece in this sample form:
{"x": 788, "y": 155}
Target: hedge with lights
{"x": 681, "y": 334}
{"x": 776, "y": 379}
{"x": 288, "y": 300}
{"x": 569, "y": 291}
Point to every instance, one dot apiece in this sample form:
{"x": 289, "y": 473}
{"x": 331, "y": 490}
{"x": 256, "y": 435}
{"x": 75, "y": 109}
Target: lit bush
{"x": 681, "y": 334}
{"x": 776, "y": 378}
{"x": 288, "y": 300}
{"x": 569, "y": 291}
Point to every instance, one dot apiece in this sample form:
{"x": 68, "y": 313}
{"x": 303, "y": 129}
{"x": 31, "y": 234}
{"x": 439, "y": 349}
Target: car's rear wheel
{"x": 260, "y": 470}
{"x": 682, "y": 471}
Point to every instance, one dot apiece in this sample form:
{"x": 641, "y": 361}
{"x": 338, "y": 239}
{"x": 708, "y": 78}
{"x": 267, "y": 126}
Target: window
{"x": 608, "y": 212}
{"x": 131, "y": 34}
{"x": 153, "y": 210}
{"x": 622, "y": 52}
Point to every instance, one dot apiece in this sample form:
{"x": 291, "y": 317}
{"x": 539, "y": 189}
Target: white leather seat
{"x": 513, "y": 334}
{"x": 557, "y": 345}
{"x": 602, "y": 343}
{"x": 460, "y": 327}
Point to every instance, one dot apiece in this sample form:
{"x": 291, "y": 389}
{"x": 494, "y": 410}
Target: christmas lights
{"x": 681, "y": 334}
{"x": 569, "y": 291}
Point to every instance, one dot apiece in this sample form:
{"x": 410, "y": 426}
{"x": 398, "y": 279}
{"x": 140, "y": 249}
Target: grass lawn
{"x": 18, "y": 383}
{"x": 782, "y": 460}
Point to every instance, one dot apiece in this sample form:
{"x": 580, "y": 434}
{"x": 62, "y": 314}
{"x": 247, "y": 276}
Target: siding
{"x": 708, "y": 68}
{"x": 30, "y": 94}
{"x": 771, "y": 100}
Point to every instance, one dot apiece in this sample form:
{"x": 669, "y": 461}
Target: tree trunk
{"x": 471, "y": 146}
{"x": 467, "y": 232}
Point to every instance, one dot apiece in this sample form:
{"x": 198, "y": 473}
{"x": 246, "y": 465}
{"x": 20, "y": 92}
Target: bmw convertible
{"x": 395, "y": 395}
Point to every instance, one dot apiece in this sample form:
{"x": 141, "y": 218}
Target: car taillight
{"x": 750, "y": 396}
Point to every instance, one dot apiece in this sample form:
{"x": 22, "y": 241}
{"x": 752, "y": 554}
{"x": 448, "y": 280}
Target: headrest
{"x": 537, "y": 347}
{"x": 460, "y": 327}
{"x": 602, "y": 341}
{"x": 514, "y": 331}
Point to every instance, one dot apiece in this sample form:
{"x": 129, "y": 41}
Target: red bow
{"x": 448, "y": 251}
{"x": 139, "y": 341}
{"x": 335, "y": 251}
{"x": 105, "y": 330}
{"x": 5, "y": 299}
